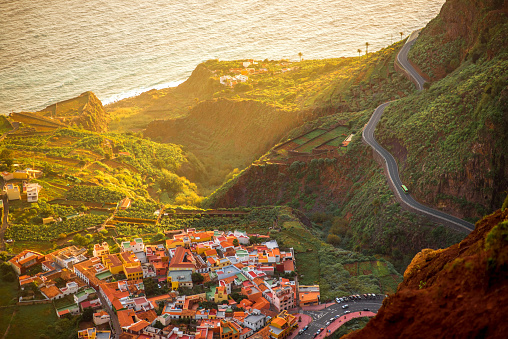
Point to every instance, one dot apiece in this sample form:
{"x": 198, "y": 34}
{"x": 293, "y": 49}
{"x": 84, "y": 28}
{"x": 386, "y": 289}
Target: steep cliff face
{"x": 457, "y": 292}
{"x": 464, "y": 29}
{"x": 93, "y": 117}
{"x": 86, "y": 111}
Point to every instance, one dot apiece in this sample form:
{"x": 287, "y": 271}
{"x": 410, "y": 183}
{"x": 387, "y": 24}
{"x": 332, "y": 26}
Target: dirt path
{"x": 9, "y": 326}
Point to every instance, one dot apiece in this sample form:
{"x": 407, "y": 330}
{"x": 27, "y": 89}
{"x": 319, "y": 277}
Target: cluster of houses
{"x": 241, "y": 74}
{"x": 224, "y": 263}
{"x": 29, "y": 191}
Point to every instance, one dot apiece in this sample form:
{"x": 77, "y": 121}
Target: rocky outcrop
{"x": 457, "y": 292}
{"x": 85, "y": 111}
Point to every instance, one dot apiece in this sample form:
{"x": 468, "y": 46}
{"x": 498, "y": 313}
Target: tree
{"x": 158, "y": 325}
{"x": 235, "y": 242}
{"x": 87, "y": 314}
{"x": 366, "y": 48}
{"x": 333, "y": 239}
{"x": 359, "y": 52}
{"x": 197, "y": 278}
{"x": 401, "y": 34}
{"x": 300, "y": 55}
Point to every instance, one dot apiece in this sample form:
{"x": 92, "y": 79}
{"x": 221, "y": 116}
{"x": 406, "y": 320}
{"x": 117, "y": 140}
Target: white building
{"x": 255, "y": 321}
{"x": 32, "y": 192}
{"x": 135, "y": 246}
{"x": 101, "y": 317}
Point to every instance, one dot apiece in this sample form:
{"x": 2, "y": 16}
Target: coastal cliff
{"x": 457, "y": 292}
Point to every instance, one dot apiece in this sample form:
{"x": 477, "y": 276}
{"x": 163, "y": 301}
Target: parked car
{"x": 337, "y": 300}
{"x": 301, "y": 331}
{"x": 337, "y": 316}
{"x": 306, "y": 328}
{"x": 346, "y": 312}
{"x": 366, "y": 309}
{"x": 345, "y": 306}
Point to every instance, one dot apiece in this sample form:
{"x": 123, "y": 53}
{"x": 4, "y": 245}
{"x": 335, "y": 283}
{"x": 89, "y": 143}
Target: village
{"x": 197, "y": 284}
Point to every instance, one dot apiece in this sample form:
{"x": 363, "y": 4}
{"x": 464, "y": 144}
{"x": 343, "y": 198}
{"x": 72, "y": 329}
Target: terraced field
{"x": 301, "y": 139}
{"x": 323, "y": 138}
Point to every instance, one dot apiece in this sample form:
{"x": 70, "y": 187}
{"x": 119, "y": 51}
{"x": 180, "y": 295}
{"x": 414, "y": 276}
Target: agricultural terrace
{"x": 123, "y": 163}
{"x": 53, "y": 231}
{"x": 319, "y": 139}
{"x": 140, "y": 210}
{"x": 340, "y": 131}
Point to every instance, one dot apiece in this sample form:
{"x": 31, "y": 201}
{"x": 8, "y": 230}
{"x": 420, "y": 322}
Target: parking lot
{"x": 320, "y": 318}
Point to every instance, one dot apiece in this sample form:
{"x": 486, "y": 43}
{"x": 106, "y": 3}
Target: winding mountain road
{"x": 391, "y": 164}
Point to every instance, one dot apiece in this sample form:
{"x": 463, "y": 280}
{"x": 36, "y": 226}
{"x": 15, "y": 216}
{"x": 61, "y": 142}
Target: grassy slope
{"x": 461, "y": 118}
{"x": 93, "y": 157}
{"x": 451, "y": 140}
{"x": 265, "y": 108}
{"x": 5, "y": 126}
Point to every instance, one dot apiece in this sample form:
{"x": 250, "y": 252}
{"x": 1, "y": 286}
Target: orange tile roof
{"x": 245, "y": 303}
{"x": 264, "y": 333}
{"x": 309, "y": 296}
{"x": 212, "y": 252}
{"x": 182, "y": 259}
{"x": 262, "y": 287}
{"x": 149, "y": 315}
{"x": 129, "y": 257}
{"x": 261, "y": 303}
{"x": 112, "y": 260}
{"x": 289, "y": 265}
{"x": 259, "y": 281}
{"x": 278, "y": 322}
{"x": 50, "y": 291}
{"x": 136, "y": 269}
{"x": 139, "y": 326}
{"x": 225, "y": 244}
{"x": 125, "y": 317}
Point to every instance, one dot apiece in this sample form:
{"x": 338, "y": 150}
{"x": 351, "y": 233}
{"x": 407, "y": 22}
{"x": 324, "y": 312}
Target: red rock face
{"x": 458, "y": 292}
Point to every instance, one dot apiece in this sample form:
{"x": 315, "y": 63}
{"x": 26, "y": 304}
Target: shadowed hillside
{"x": 457, "y": 292}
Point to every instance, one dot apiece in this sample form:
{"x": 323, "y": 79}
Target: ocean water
{"x": 52, "y": 50}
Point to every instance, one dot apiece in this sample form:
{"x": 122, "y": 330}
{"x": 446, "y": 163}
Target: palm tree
{"x": 359, "y": 51}
{"x": 366, "y": 48}
{"x": 300, "y": 55}
{"x": 401, "y": 34}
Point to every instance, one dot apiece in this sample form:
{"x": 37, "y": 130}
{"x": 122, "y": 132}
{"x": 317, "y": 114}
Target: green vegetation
{"x": 5, "y": 126}
{"x": 350, "y": 326}
{"x": 140, "y": 210}
{"x": 50, "y": 232}
{"x": 461, "y": 118}
{"x": 280, "y": 95}
{"x": 94, "y": 194}
{"x": 38, "y": 321}
{"x": 119, "y": 165}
